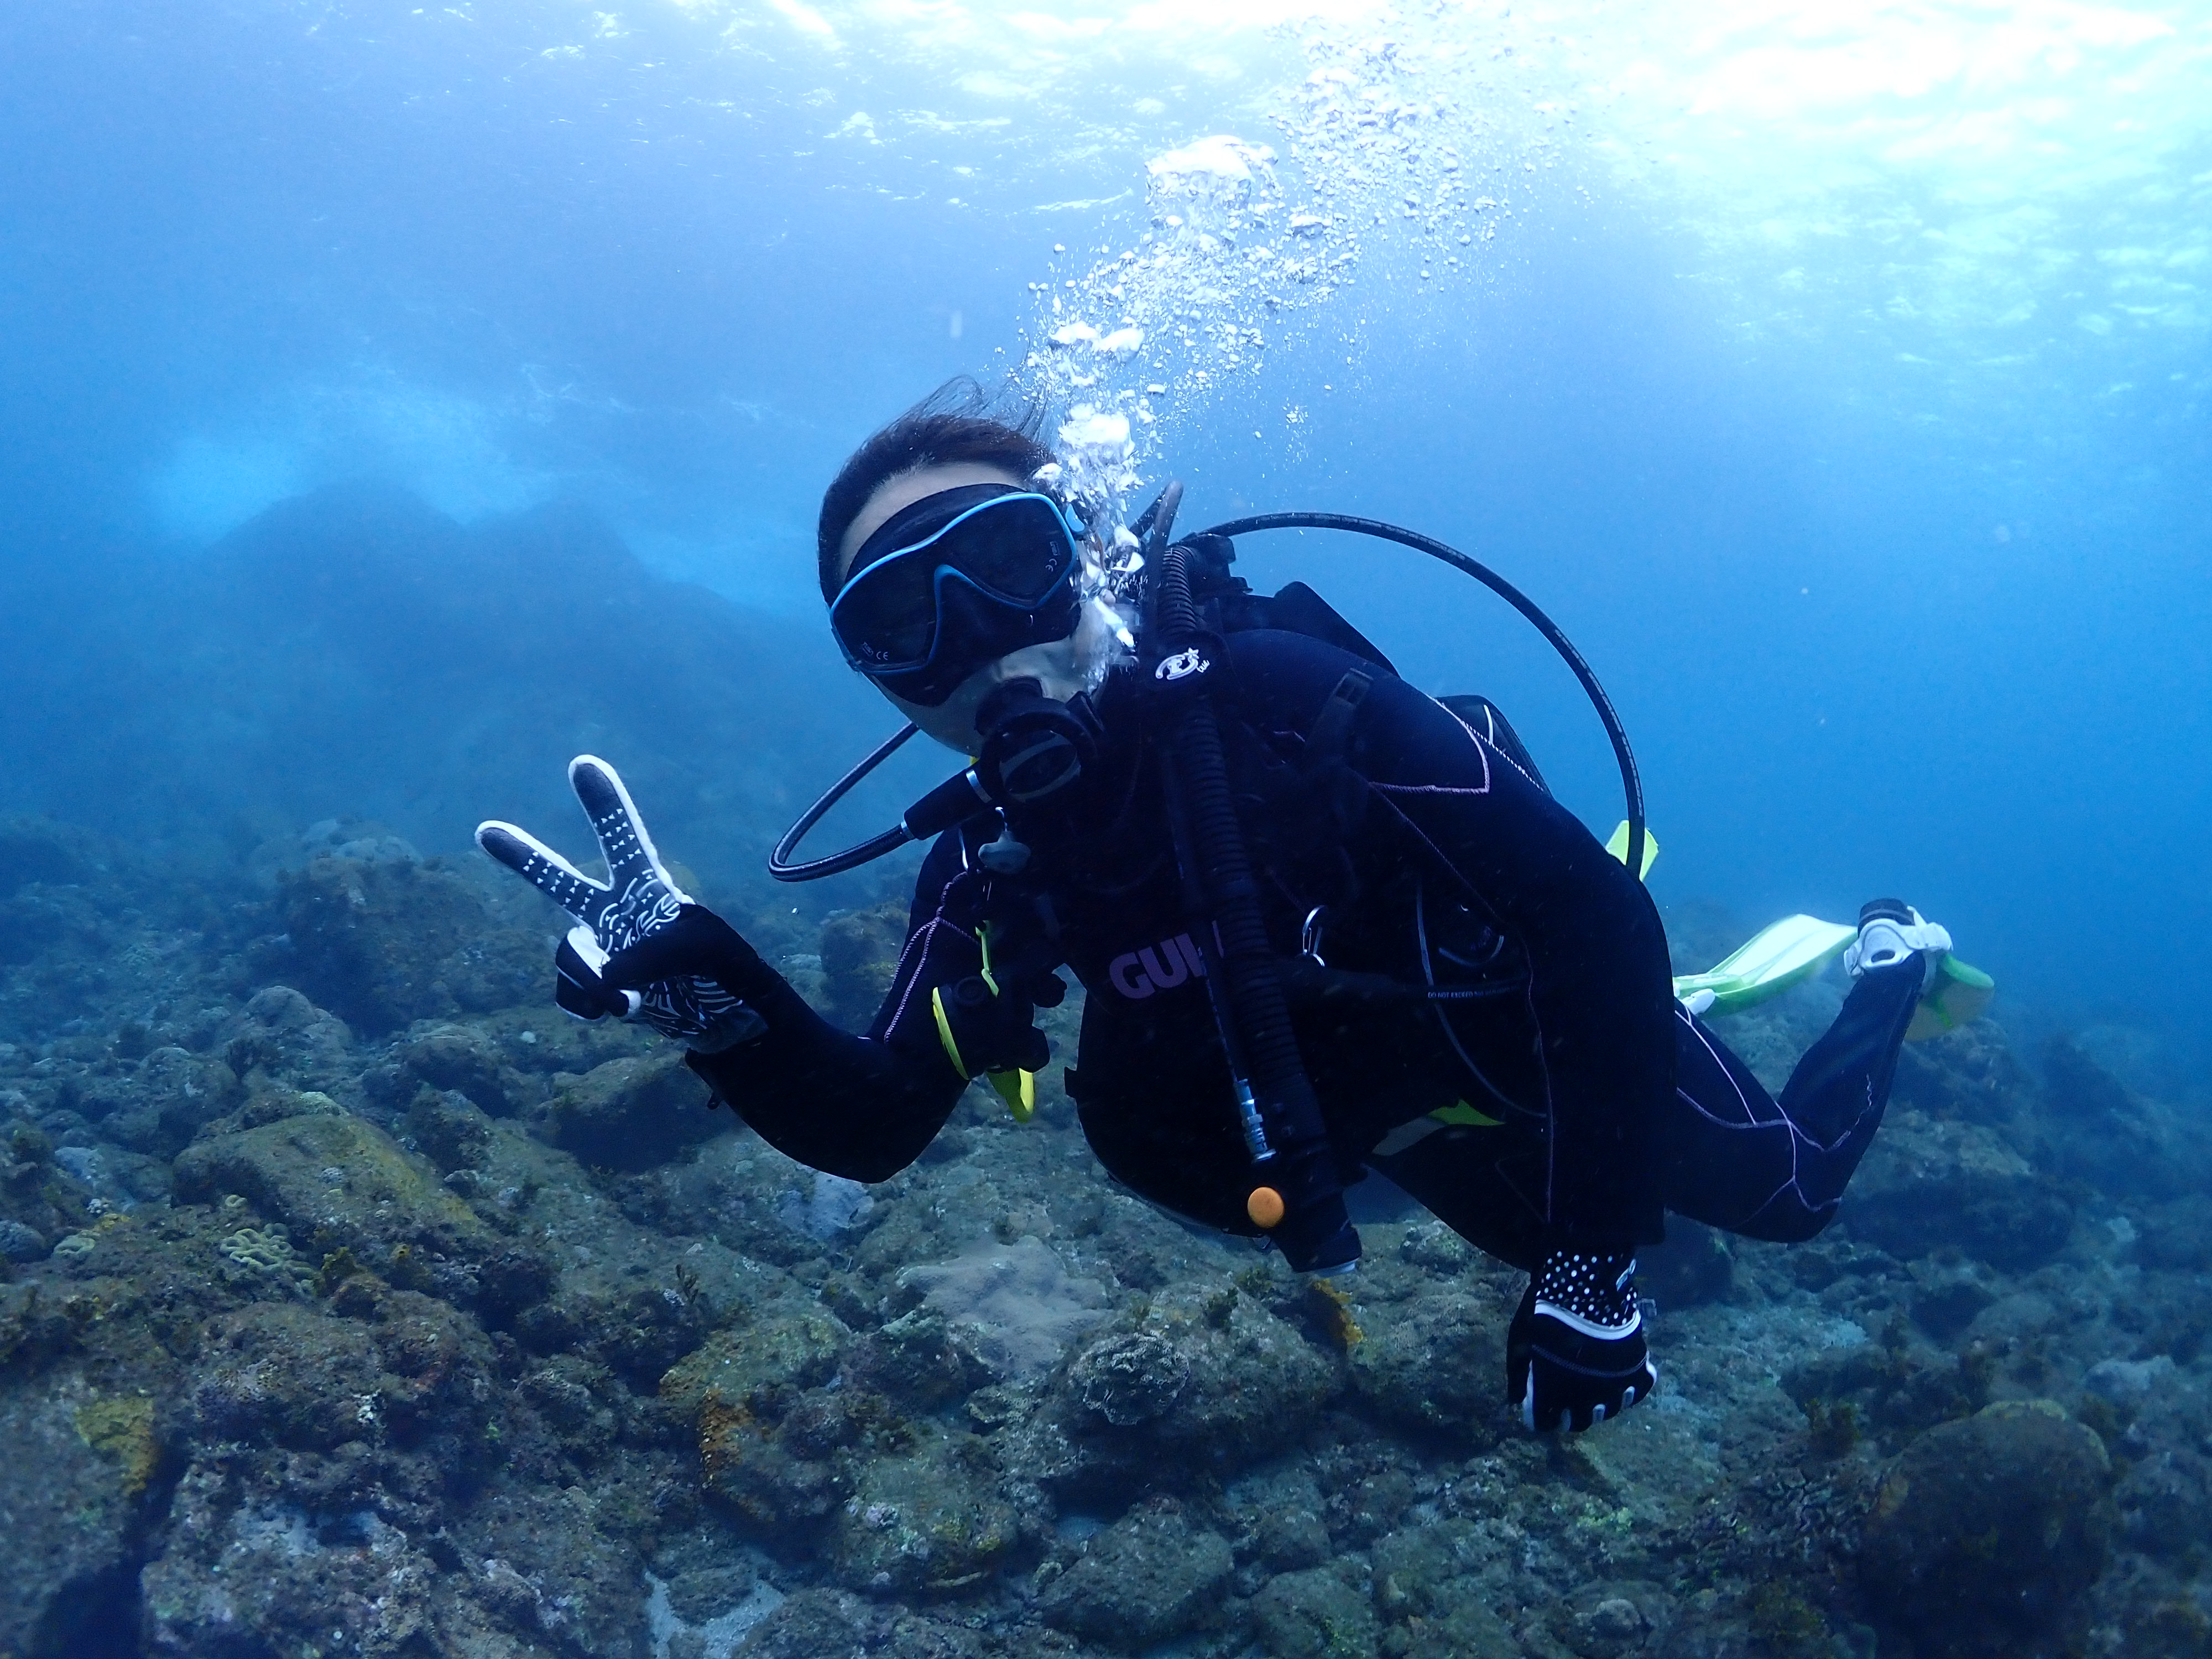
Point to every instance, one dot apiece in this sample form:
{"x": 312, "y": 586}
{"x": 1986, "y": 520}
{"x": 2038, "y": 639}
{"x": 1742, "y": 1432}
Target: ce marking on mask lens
{"x": 1180, "y": 666}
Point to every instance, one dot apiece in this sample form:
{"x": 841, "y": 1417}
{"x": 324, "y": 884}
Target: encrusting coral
{"x": 264, "y": 1254}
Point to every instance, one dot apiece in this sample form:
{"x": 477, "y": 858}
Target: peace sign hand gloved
{"x": 643, "y": 949}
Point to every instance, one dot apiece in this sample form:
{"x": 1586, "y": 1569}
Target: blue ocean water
{"x": 1839, "y": 382}
{"x": 396, "y": 400}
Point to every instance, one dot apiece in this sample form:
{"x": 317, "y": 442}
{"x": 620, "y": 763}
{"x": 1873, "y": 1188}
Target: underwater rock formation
{"x": 931, "y": 1520}
{"x": 633, "y": 1113}
{"x": 1931, "y": 1182}
{"x": 1148, "y": 1577}
{"x": 859, "y": 953}
{"x": 1988, "y": 1531}
{"x": 1434, "y": 1363}
{"x": 1205, "y": 1381}
{"x": 353, "y": 650}
{"x": 381, "y": 937}
{"x": 77, "y": 1488}
{"x": 452, "y": 1326}
{"x": 338, "y": 1183}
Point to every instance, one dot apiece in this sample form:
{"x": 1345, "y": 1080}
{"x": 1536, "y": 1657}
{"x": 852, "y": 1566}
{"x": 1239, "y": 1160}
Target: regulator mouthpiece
{"x": 1036, "y": 749}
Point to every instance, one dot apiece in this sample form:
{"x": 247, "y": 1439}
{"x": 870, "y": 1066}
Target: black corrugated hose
{"x": 1314, "y": 1233}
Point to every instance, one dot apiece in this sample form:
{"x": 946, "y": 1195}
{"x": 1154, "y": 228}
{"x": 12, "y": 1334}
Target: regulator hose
{"x": 956, "y": 800}
{"x": 1302, "y": 1203}
{"x": 1631, "y": 785}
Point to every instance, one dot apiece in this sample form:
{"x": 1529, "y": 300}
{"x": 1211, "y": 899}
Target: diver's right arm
{"x": 860, "y": 1107}
{"x": 855, "y": 1106}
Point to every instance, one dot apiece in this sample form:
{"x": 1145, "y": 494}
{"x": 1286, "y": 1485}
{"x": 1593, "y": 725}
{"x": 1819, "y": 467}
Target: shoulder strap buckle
{"x": 1331, "y": 733}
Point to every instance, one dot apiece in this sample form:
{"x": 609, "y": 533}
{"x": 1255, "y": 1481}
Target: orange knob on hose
{"x": 1265, "y": 1206}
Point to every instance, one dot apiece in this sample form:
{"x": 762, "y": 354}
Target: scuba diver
{"x": 1325, "y": 924}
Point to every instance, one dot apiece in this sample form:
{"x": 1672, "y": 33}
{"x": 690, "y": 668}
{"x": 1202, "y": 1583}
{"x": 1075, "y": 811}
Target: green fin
{"x": 1459, "y": 1112}
{"x": 1960, "y": 993}
{"x": 1017, "y": 1089}
{"x": 1775, "y": 958}
{"x": 1616, "y": 844}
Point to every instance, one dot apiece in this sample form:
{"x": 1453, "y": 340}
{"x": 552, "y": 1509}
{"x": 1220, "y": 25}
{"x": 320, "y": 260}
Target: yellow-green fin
{"x": 1017, "y": 1090}
{"x": 1461, "y": 1112}
{"x": 1780, "y": 955}
{"x": 1959, "y": 995}
{"x": 1616, "y": 844}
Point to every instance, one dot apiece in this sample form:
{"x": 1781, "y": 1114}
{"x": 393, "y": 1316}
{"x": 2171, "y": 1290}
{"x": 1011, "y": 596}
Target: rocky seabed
{"x": 355, "y": 1302}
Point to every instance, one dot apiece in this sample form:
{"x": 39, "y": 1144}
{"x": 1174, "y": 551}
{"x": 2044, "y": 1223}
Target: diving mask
{"x": 956, "y": 581}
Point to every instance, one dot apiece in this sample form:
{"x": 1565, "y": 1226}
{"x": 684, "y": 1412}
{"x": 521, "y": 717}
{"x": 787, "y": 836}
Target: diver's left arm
{"x": 856, "y": 1107}
{"x": 1599, "y": 980}
{"x": 1600, "y": 993}
{"x": 859, "y": 1105}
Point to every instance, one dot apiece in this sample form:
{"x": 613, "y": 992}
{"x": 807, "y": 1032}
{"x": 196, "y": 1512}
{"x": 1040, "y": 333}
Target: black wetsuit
{"x": 1494, "y": 1028}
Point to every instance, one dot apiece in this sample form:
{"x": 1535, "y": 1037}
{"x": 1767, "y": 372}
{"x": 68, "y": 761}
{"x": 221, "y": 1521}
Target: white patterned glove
{"x": 638, "y": 901}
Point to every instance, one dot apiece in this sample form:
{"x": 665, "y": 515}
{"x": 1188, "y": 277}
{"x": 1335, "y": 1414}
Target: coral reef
{"x": 265, "y": 1256}
{"x": 859, "y": 952}
{"x": 352, "y": 1300}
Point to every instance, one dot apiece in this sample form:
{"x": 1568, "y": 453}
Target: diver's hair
{"x": 959, "y": 422}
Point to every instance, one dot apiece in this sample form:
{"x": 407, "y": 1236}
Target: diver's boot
{"x": 1891, "y": 932}
{"x": 1951, "y": 993}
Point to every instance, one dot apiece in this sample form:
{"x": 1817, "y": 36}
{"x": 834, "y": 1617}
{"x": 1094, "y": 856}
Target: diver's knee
{"x": 1786, "y": 1223}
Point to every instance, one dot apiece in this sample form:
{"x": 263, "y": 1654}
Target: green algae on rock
{"x": 123, "y": 1427}
{"x": 73, "y": 1485}
{"x": 335, "y": 1181}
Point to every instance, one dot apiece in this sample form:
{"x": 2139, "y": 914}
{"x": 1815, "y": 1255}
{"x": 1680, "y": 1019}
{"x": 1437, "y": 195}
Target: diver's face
{"x": 1054, "y": 665}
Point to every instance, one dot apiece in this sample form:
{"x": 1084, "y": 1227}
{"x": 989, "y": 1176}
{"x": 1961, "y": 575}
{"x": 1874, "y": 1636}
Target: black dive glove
{"x": 1575, "y": 1354}
{"x": 643, "y": 949}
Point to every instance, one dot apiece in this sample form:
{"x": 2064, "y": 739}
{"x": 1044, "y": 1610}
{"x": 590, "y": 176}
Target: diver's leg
{"x": 1736, "y": 1159}
{"x": 1182, "y": 1153}
{"x": 1465, "y": 1177}
{"x": 1837, "y": 1093}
